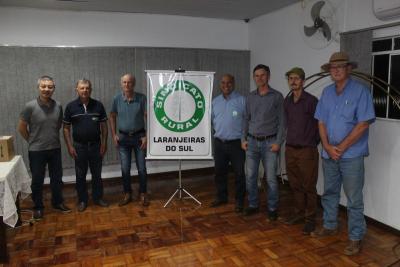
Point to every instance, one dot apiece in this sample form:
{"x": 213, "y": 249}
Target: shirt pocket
{"x": 348, "y": 111}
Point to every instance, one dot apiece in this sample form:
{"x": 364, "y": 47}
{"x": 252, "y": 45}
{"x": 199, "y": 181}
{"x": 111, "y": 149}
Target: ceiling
{"x": 222, "y": 9}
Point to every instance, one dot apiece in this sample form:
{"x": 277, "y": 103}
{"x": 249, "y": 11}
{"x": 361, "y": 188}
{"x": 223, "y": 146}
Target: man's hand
{"x": 103, "y": 149}
{"x": 143, "y": 143}
{"x": 245, "y": 145}
{"x": 116, "y": 140}
{"x": 72, "y": 152}
{"x": 275, "y": 147}
{"x": 334, "y": 152}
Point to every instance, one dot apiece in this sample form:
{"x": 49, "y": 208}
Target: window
{"x": 386, "y": 68}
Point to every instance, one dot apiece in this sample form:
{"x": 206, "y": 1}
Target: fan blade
{"x": 316, "y": 9}
{"x": 308, "y": 31}
{"x": 326, "y": 30}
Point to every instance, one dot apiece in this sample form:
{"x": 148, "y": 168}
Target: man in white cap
{"x": 345, "y": 111}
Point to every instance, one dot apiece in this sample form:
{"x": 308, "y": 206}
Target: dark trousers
{"x": 302, "y": 170}
{"x": 88, "y": 156}
{"x": 225, "y": 153}
{"x": 126, "y": 145}
{"x": 37, "y": 163}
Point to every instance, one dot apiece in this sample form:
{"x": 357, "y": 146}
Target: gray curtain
{"x": 21, "y": 67}
{"x": 359, "y": 47}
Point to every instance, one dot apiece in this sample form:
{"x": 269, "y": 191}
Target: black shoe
{"x": 309, "y": 227}
{"x": 272, "y": 215}
{"x": 250, "y": 211}
{"x": 217, "y": 203}
{"x": 61, "y": 207}
{"x": 127, "y": 198}
{"x": 82, "y": 206}
{"x": 101, "y": 203}
{"x": 295, "y": 219}
{"x": 37, "y": 215}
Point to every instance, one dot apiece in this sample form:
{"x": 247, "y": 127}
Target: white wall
{"x": 33, "y": 27}
{"x": 276, "y": 39}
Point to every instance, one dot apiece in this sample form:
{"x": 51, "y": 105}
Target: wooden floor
{"x": 183, "y": 234}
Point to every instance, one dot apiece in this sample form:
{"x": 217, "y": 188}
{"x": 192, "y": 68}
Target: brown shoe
{"x": 324, "y": 232}
{"x": 144, "y": 198}
{"x": 353, "y": 247}
{"x": 127, "y": 198}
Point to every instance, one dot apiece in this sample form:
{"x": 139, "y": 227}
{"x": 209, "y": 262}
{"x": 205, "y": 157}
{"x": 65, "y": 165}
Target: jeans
{"x": 256, "y": 151}
{"x": 126, "y": 145}
{"x": 37, "y": 163}
{"x": 225, "y": 153}
{"x": 350, "y": 172}
{"x": 88, "y": 156}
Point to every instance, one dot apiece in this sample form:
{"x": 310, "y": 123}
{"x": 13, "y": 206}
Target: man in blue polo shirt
{"x": 227, "y": 118}
{"x": 128, "y": 111}
{"x": 88, "y": 119}
{"x": 345, "y": 111}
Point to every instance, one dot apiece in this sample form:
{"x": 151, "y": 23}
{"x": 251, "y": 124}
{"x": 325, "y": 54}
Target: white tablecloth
{"x": 14, "y": 178}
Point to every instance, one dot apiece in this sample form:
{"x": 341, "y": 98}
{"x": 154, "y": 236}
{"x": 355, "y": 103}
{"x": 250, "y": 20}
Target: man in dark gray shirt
{"x": 39, "y": 125}
{"x": 262, "y": 138}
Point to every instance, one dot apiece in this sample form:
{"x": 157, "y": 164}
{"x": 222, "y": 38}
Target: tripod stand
{"x": 180, "y": 189}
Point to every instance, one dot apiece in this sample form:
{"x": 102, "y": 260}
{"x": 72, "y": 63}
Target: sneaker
{"x": 353, "y": 247}
{"x": 61, "y": 207}
{"x": 324, "y": 232}
{"x": 144, "y": 198}
{"x": 101, "y": 203}
{"x": 127, "y": 198}
{"x": 217, "y": 203}
{"x": 82, "y": 206}
{"x": 37, "y": 215}
{"x": 250, "y": 211}
{"x": 308, "y": 228}
{"x": 295, "y": 219}
{"x": 272, "y": 215}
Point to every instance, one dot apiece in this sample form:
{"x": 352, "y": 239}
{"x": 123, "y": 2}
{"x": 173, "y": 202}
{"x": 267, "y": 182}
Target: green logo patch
{"x": 198, "y": 109}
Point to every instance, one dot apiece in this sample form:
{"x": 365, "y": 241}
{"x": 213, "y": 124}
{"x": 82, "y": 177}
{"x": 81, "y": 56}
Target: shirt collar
{"x": 126, "y": 99}
{"x": 78, "y": 100}
{"x": 42, "y": 104}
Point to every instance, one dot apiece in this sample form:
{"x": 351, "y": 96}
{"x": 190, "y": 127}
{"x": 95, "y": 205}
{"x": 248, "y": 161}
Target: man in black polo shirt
{"x": 301, "y": 150}
{"x": 89, "y": 123}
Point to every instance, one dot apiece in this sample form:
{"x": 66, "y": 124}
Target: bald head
{"x": 128, "y": 83}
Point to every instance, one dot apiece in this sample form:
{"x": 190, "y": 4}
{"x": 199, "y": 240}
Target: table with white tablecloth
{"x": 14, "y": 181}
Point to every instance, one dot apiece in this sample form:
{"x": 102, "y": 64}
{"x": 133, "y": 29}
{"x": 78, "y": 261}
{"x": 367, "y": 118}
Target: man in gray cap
{"x": 301, "y": 150}
{"x": 344, "y": 111}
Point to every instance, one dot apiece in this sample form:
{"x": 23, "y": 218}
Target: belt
{"x": 133, "y": 132}
{"x": 227, "y": 141}
{"x": 88, "y": 143}
{"x": 262, "y": 137}
{"x": 296, "y": 146}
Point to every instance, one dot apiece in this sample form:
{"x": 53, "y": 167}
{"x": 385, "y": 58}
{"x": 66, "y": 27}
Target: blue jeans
{"x": 260, "y": 151}
{"x": 350, "y": 172}
{"x": 88, "y": 156}
{"x": 126, "y": 145}
{"x": 37, "y": 163}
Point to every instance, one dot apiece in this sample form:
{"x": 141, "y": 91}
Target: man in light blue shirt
{"x": 227, "y": 119}
{"x": 344, "y": 112}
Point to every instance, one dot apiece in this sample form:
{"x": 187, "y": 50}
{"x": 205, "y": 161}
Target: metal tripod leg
{"x": 180, "y": 189}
